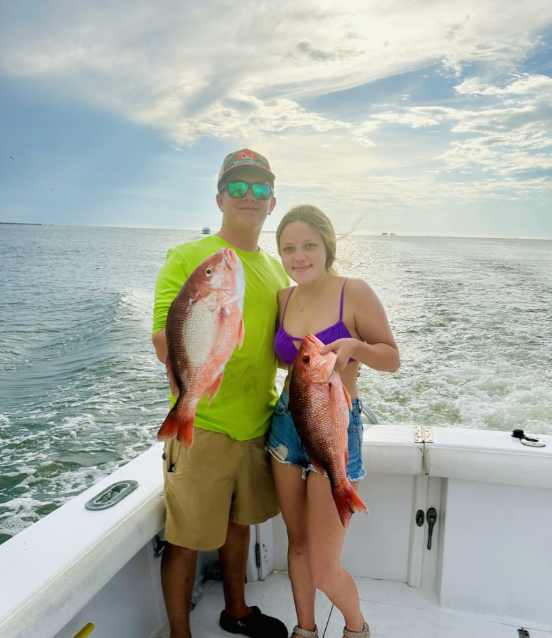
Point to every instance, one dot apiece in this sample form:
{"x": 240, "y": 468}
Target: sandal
{"x": 365, "y": 633}
{"x": 305, "y": 633}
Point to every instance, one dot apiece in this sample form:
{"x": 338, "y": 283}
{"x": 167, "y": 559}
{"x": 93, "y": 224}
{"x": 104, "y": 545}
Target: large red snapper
{"x": 204, "y": 326}
{"x": 320, "y": 405}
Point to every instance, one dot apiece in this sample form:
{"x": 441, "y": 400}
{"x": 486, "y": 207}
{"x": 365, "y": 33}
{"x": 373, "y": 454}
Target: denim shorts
{"x": 285, "y": 445}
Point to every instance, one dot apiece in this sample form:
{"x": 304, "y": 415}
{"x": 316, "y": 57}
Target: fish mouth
{"x": 315, "y": 341}
{"x": 230, "y": 258}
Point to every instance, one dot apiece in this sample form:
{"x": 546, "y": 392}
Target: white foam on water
{"x": 76, "y": 422}
{"x": 18, "y": 513}
{"x": 135, "y": 306}
{"x": 472, "y": 320}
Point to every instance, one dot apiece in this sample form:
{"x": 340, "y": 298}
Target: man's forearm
{"x": 159, "y": 340}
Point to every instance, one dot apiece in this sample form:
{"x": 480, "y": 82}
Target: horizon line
{"x": 386, "y": 234}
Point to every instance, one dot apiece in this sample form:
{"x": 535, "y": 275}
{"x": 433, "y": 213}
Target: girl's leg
{"x": 326, "y": 536}
{"x": 292, "y": 495}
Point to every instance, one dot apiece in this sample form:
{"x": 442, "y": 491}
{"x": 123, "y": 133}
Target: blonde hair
{"x": 318, "y": 221}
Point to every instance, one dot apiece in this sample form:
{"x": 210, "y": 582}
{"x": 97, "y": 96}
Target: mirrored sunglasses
{"x": 239, "y": 189}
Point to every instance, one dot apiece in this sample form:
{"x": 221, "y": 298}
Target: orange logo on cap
{"x": 247, "y": 155}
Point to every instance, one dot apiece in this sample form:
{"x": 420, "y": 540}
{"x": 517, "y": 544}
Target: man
{"x": 224, "y": 485}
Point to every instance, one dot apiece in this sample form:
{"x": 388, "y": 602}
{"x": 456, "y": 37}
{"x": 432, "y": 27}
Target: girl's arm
{"x": 282, "y": 296}
{"x": 377, "y": 347}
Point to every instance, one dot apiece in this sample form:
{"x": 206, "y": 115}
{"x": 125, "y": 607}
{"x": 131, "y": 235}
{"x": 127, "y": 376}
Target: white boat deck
{"x": 393, "y": 610}
{"x": 486, "y": 575}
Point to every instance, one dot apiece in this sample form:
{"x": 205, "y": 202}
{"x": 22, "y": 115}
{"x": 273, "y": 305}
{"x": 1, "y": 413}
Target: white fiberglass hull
{"x": 488, "y": 569}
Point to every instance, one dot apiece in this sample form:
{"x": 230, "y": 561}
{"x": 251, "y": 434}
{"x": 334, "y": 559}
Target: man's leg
{"x": 254, "y": 500}
{"x": 178, "y": 568}
{"x": 233, "y": 556}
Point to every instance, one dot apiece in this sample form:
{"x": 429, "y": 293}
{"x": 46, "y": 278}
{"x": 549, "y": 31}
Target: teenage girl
{"x": 347, "y": 316}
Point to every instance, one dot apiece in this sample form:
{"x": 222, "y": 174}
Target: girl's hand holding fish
{"x": 345, "y": 349}
{"x": 380, "y": 356}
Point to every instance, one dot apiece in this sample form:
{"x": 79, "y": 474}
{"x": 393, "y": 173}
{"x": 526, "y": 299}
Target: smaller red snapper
{"x": 319, "y": 405}
{"x": 204, "y": 326}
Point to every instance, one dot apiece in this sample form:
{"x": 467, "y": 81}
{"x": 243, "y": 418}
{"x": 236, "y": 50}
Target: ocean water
{"x": 81, "y": 392}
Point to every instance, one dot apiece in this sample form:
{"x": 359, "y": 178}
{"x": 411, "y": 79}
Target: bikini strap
{"x": 285, "y": 307}
{"x": 341, "y": 305}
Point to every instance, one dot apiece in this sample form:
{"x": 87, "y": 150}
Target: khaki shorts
{"x": 220, "y": 479}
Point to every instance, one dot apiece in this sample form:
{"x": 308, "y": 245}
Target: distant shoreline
{"x": 23, "y": 224}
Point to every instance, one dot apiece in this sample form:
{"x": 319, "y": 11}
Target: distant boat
{"x": 392, "y": 234}
{"x": 206, "y": 230}
{"x": 384, "y": 234}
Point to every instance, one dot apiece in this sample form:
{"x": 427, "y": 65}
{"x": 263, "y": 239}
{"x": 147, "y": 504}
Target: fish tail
{"x": 179, "y": 425}
{"x": 347, "y": 501}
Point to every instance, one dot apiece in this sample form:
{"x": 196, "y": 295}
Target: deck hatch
{"x": 112, "y": 495}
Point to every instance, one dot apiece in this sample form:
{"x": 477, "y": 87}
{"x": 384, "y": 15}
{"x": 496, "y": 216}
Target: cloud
{"x": 507, "y": 139}
{"x": 416, "y": 117}
{"x": 318, "y": 55}
{"x": 171, "y": 64}
{"x": 503, "y": 136}
{"x": 240, "y": 117}
{"x": 266, "y": 75}
{"x": 525, "y": 84}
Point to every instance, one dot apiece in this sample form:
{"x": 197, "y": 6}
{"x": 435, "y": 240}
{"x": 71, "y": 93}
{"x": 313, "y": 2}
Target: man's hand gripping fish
{"x": 204, "y": 326}
{"x": 320, "y": 405}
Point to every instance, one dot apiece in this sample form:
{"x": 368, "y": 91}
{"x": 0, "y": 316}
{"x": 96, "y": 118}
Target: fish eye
{"x": 306, "y": 359}
{"x": 208, "y": 271}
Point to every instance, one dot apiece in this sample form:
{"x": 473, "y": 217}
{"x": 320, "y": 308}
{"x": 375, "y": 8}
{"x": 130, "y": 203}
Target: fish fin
{"x": 348, "y": 501}
{"x": 178, "y": 425}
{"x": 214, "y": 388}
{"x": 241, "y": 333}
{"x": 337, "y": 408}
{"x": 224, "y": 315}
{"x": 348, "y": 398}
{"x": 175, "y": 390}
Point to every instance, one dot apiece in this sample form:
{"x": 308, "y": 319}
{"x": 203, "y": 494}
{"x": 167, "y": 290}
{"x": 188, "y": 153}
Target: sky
{"x": 404, "y": 116}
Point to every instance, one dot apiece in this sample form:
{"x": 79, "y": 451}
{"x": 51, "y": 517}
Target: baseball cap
{"x": 243, "y": 158}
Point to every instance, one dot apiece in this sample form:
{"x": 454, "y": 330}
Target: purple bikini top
{"x": 284, "y": 343}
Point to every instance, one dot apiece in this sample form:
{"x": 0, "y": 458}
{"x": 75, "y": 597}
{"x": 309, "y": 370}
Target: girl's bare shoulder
{"x": 359, "y": 288}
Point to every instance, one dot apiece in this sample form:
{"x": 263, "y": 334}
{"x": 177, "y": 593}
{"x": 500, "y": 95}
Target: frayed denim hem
{"x": 356, "y": 479}
{"x": 280, "y": 453}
